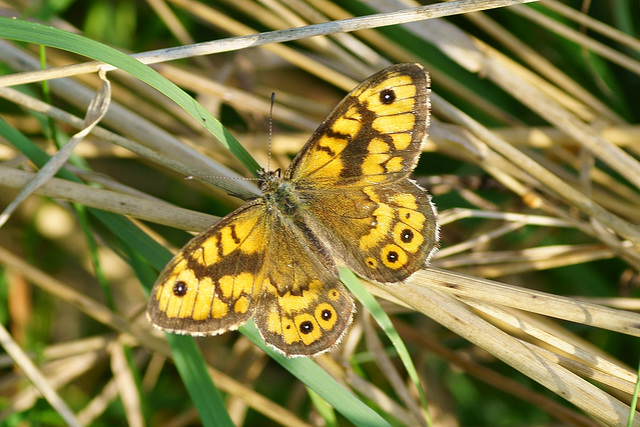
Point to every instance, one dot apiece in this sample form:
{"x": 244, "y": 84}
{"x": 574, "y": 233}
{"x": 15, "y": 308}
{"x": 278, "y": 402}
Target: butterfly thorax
{"x": 278, "y": 191}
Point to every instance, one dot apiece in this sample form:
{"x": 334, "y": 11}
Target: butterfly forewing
{"x": 374, "y": 136}
{"x": 213, "y": 283}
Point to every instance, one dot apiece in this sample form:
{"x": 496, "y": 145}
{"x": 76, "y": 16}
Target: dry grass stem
{"x": 253, "y": 40}
{"x": 536, "y": 176}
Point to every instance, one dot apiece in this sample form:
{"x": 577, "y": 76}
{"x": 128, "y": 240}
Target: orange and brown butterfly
{"x": 345, "y": 199}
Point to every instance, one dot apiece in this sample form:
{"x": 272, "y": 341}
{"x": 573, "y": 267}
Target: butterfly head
{"x": 267, "y": 180}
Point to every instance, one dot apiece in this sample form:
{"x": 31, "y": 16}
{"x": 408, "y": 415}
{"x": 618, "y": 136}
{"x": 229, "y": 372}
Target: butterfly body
{"x": 345, "y": 199}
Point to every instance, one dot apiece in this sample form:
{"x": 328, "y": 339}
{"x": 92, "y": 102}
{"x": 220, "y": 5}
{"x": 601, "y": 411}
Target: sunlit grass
{"x": 532, "y": 162}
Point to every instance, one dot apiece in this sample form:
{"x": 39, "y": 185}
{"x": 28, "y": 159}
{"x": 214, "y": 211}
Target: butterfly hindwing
{"x": 308, "y": 323}
{"x": 304, "y": 310}
{"x": 387, "y": 231}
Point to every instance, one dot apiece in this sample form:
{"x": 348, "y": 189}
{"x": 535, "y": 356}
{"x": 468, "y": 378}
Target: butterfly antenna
{"x": 273, "y": 98}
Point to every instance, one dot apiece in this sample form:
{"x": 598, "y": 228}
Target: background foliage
{"x": 532, "y": 162}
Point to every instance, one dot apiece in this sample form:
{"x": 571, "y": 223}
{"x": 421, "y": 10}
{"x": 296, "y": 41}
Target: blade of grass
{"x": 16, "y": 29}
{"x": 314, "y": 377}
{"x": 634, "y": 400}
{"x": 381, "y": 317}
{"x": 191, "y": 365}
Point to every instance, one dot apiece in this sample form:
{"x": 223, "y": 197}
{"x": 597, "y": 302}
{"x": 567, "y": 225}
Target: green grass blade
{"x": 30, "y": 32}
{"x": 634, "y": 400}
{"x": 314, "y": 377}
{"x": 191, "y": 366}
{"x": 188, "y": 360}
{"x": 381, "y": 317}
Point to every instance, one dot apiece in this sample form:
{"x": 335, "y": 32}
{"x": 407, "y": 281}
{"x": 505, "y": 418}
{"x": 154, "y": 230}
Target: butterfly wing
{"x": 374, "y": 136}
{"x": 353, "y": 177}
{"x": 255, "y": 261}
{"x": 304, "y": 309}
{"x": 213, "y": 283}
{"x": 387, "y": 232}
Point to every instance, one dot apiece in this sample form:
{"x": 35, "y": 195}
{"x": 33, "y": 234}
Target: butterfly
{"x": 345, "y": 199}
